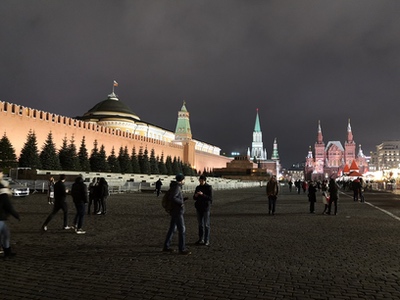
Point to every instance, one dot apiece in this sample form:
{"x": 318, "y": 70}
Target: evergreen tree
{"x": 83, "y": 157}
{"x": 124, "y": 160}
{"x": 29, "y": 157}
{"x": 48, "y": 157}
{"x": 94, "y": 158}
{"x": 113, "y": 162}
{"x": 135, "y": 162}
{"x": 161, "y": 165}
{"x": 176, "y": 168}
{"x": 73, "y": 156}
{"x": 8, "y": 159}
{"x": 144, "y": 161}
{"x": 168, "y": 165}
{"x": 153, "y": 163}
{"x": 103, "y": 160}
{"x": 186, "y": 170}
{"x": 63, "y": 155}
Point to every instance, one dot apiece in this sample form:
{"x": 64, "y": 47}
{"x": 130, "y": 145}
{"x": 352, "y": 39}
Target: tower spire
{"x": 349, "y": 133}
{"x": 182, "y": 130}
{"x": 319, "y": 135}
{"x": 257, "y": 150}
{"x": 257, "y": 127}
{"x": 275, "y": 154}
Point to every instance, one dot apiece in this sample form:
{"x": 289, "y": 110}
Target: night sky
{"x": 296, "y": 61}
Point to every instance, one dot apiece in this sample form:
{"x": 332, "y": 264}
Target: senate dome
{"x": 111, "y": 108}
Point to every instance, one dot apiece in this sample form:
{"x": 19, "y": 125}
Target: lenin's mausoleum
{"x": 112, "y": 124}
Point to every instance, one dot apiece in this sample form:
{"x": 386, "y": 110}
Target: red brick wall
{"x": 16, "y": 121}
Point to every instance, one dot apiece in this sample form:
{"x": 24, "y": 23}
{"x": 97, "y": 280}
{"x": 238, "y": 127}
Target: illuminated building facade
{"x": 331, "y": 159}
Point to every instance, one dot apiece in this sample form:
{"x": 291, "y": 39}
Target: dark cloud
{"x": 297, "y": 61}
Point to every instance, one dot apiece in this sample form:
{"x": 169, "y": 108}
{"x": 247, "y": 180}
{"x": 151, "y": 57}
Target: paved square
{"x": 292, "y": 255}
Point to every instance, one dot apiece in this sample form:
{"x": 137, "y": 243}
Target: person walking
{"x": 50, "y": 190}
{"x": 333, "y": 195}
{"x": 79, "y": 193}
{"x": 158, "y": 186}
{"x": 60, "y": 202}
{"x": 92, "y": 195}
{"x": 312, "y": 196}
{"x": 102, "y": 194}
{"x": 177, "y": 211}
{"x": 290, "y": 185}
{"x": 203, "y": 196}
{"x": 325, "y": 196}
{"x": 356, "y": 186}
{"x": 6, "y": 209}
{"x": 272, "y": 193}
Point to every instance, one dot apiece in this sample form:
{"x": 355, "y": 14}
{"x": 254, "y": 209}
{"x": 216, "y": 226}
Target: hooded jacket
{"x": 176, "y": 197}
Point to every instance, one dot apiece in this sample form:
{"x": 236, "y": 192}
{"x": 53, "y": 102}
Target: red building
{"x": 332, "y": 159}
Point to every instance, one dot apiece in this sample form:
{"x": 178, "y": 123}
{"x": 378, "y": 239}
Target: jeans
{"x": 102, "y": 206}
{"x": 57, "y": 206}
{"x": 203, "y": 219}
{"x": 177, "y": 222}
{"x": 271, "y": 203}
{"x": 80, "y": 213}
{"x": 4, "y": 235}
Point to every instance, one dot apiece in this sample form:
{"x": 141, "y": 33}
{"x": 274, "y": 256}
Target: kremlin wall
{"x": 112, "y": 124}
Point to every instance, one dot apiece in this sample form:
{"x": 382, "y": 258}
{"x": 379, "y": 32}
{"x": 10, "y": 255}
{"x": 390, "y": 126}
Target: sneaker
{"x": 98, "y": 213}
{"x": 168, "y": 250}
{"x": 67, "y": 227}
{"x": 200, "y": 242}
{"x": 207, "y": 243}
{"x": 185, "y": 252}
{"x": 44, "y": 228}
{"x": 80, "y": 231}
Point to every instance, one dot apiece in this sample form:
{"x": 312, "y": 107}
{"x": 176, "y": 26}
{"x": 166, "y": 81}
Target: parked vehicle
{"x": 17, "y": 189}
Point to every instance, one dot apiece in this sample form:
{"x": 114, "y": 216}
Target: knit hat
{"x": 179, "y": 177}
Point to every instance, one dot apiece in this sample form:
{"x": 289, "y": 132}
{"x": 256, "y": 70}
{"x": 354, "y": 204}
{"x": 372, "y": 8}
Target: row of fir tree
{"x": 68, "y": 158}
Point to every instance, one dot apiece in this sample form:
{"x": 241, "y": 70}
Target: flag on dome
{"x": 115, "y": 83}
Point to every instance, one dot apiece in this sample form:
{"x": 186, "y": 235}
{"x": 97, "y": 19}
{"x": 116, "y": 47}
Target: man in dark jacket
{"x": 177, "y": 211}
{"x": 272, "y": 194}
{"x": 203, "y": 197}
{"x": 6, "y": 209}
{"x": 79, "y": 193}
{"x": 102, "y": 192}
{"x": 334, "y": 195}
{"x": 312, "y": 196}
{"x": 60, "y": 197}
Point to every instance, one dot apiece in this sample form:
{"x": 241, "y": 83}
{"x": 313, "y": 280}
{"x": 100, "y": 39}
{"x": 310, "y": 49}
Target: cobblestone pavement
{"x": 292, "y": 255}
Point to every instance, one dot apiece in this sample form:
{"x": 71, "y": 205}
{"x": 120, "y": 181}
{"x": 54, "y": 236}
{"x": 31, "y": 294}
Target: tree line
{"x": 69, "y": 158}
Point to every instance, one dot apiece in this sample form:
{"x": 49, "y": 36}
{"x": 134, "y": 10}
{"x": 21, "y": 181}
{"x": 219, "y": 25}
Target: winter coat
{"x": 60, "y": 192}
{"x": 79, "y": 191}
{"x": 203, "y": 202}
{"x": 176, "y": 197}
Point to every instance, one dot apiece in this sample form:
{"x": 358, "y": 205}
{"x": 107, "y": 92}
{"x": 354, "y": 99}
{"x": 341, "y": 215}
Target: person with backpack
{"x": 203, "y": 197}
{"x": 176, "y": 199}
